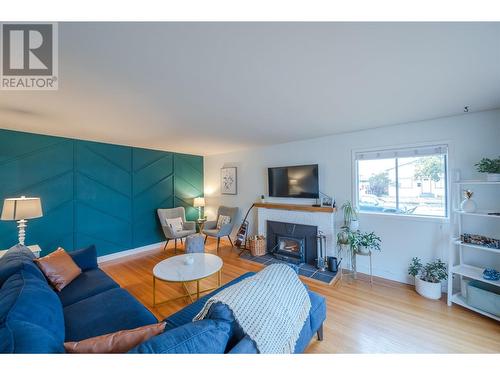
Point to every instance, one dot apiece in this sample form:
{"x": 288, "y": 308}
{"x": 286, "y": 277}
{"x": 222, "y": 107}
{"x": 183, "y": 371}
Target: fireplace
{"x": 295, "y": 243}
{"x": 290, "y": 249}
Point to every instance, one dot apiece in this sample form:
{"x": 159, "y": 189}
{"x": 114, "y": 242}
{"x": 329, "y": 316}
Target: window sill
{"x": 428, "y": 219}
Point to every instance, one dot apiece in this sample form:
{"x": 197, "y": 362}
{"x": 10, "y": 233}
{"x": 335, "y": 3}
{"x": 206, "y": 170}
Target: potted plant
{"x": 343, "y": 236}
{"x": 350, "y": 216}
{"x": 428, "y": 278}
{"x": 363, "y": 243}
{"x": 491, "y": 167}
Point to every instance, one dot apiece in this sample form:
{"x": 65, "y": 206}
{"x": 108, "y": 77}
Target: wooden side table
{"x": 201, "y": 224}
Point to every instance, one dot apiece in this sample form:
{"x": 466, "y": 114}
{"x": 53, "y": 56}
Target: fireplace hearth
{"x": 294, "y": 243}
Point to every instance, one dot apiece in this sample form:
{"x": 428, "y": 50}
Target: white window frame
{"x": 428, "y": 218}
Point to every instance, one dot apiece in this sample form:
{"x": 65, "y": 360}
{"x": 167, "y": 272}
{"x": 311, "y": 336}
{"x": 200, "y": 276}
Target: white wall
{"x": 470, "y": 137}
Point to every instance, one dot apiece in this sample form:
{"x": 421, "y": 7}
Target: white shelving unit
{"x": 461, "y": 269}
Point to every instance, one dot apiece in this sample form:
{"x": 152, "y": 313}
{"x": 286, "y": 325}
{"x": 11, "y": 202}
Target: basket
{"x": 257, "y": 246}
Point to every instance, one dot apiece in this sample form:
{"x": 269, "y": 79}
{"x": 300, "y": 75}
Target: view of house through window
{"x": 409, "y": 181}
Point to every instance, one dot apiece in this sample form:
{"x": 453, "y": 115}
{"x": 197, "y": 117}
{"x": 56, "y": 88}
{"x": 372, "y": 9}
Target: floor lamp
{"x": 21, "y": 209}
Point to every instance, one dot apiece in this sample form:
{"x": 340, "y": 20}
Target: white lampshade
{"x": 199, "y": 202}
{"x": 21, "y": 208}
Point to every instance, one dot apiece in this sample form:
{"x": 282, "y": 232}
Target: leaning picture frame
{"x": 229, "y": 180}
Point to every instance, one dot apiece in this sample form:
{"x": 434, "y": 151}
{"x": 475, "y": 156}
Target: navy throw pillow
{"x": 202, "y": 337}
{"x": 85, "y": 258}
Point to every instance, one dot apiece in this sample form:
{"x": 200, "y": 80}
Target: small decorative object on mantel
{"x": 262, "y": 198}
{"x": 491, "y": 167}
{"x": 491, "y": 274}
{"x": 327, "y": 201}
{"x": 468, "y": 204}
{"x": 476, "y": 239}
{"x": 229, "y": 181}
{"x": 428, "y": 278}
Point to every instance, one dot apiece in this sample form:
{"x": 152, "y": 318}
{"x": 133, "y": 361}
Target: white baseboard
{"x": 137, "y": 250}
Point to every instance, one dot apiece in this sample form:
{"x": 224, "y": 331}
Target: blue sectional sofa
{"x": 36, "y": 319}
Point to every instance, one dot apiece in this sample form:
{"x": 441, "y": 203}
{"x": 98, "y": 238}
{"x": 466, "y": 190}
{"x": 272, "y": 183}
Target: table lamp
{"x": 199, "y": 203}
{"x": 21, "y": 209}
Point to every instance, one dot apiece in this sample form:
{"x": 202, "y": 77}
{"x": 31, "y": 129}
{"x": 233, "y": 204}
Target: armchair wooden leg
{"x": 218, "y": 242}
{"x": 166, "y": 243}
{"x": 320, "y": 333}
{"x": 230, "y": 241}
{"x": 206, "y": 237}
{"x": 175, "y": 246}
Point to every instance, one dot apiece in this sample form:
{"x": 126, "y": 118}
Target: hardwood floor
{"x": 387, "y": 317}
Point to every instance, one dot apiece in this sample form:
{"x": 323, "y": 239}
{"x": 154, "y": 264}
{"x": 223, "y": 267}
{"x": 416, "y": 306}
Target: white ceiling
{"x": 209, "y": 88}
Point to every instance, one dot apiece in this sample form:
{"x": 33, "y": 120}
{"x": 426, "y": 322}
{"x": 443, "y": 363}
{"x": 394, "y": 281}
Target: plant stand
{"x": 369, "y": 254}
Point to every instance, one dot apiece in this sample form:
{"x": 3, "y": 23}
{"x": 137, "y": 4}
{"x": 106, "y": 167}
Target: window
{"x": 409, "y": 181}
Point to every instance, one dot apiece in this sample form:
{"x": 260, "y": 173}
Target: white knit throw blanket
{"x": 270, "y": 306}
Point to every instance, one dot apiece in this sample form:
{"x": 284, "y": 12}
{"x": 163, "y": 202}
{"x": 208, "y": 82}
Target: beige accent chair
{"x": 210, "y": 227}
{"x": 188, "y": 227}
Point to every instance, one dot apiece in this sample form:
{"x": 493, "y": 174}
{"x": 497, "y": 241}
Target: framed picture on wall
{"x": 228, "y": 180}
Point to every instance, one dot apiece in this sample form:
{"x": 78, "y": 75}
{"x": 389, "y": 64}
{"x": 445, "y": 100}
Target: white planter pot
{"x": 354, "y": 226}
{"x": 427, "y": 289}
{"x": 493, "y": 177}
{"x": 363, "y": 251}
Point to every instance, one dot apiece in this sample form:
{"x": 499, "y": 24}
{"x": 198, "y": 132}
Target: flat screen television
{"x": 300, "y": 181}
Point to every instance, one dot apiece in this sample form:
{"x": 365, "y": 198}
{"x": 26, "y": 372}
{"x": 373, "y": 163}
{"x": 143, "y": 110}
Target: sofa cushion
{"x": 187, "y": 314}
{"x": 18, "y": 337}
{"x": 88, "y": 284}
{"x": 111, "y": 311}
{"x": 18, "y": 257}
{"x": 85, "y": 258}
{"x": 221, "y": 312}
{"x": 59, "y": 268}
{"x": 201, "y": 337}
{"x": 31, "y": 316}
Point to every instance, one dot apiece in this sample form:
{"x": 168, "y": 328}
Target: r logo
{"x": 27, "y": 49}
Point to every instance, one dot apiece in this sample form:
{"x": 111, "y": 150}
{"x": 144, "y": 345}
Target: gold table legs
{"x": 188, "y": 294}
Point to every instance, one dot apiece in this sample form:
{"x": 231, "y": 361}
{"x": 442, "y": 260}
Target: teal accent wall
{"x": 94, "y": 193}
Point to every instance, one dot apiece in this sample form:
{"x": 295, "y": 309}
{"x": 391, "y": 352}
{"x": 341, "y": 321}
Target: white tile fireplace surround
{"x": 323, "y": 220}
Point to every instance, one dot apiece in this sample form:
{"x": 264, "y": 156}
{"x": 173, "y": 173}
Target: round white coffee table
{"x": 177, "y": 270}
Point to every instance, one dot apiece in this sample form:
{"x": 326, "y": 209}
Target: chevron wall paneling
{"x": 103, "y": 196}
{"x": 188, "y": 182}
{"x": 94, "y": 193}
{"x": 39, "y": 166}
{"x": 152, "y": 188}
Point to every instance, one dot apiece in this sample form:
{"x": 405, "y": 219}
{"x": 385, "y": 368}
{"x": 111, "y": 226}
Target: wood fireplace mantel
{"x": 296, "y": 207}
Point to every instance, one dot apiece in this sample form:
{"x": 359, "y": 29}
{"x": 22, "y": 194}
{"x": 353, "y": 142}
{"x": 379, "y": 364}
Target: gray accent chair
{"x": 210, "y": 227}
{"x": 189, "y": 227}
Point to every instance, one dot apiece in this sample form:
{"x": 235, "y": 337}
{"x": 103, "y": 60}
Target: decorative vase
{"x": 468, "y": 204}
{"x": 427, "y": 289}
{"x": 354, "y": 225}
{"x": 493, "y": 177}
